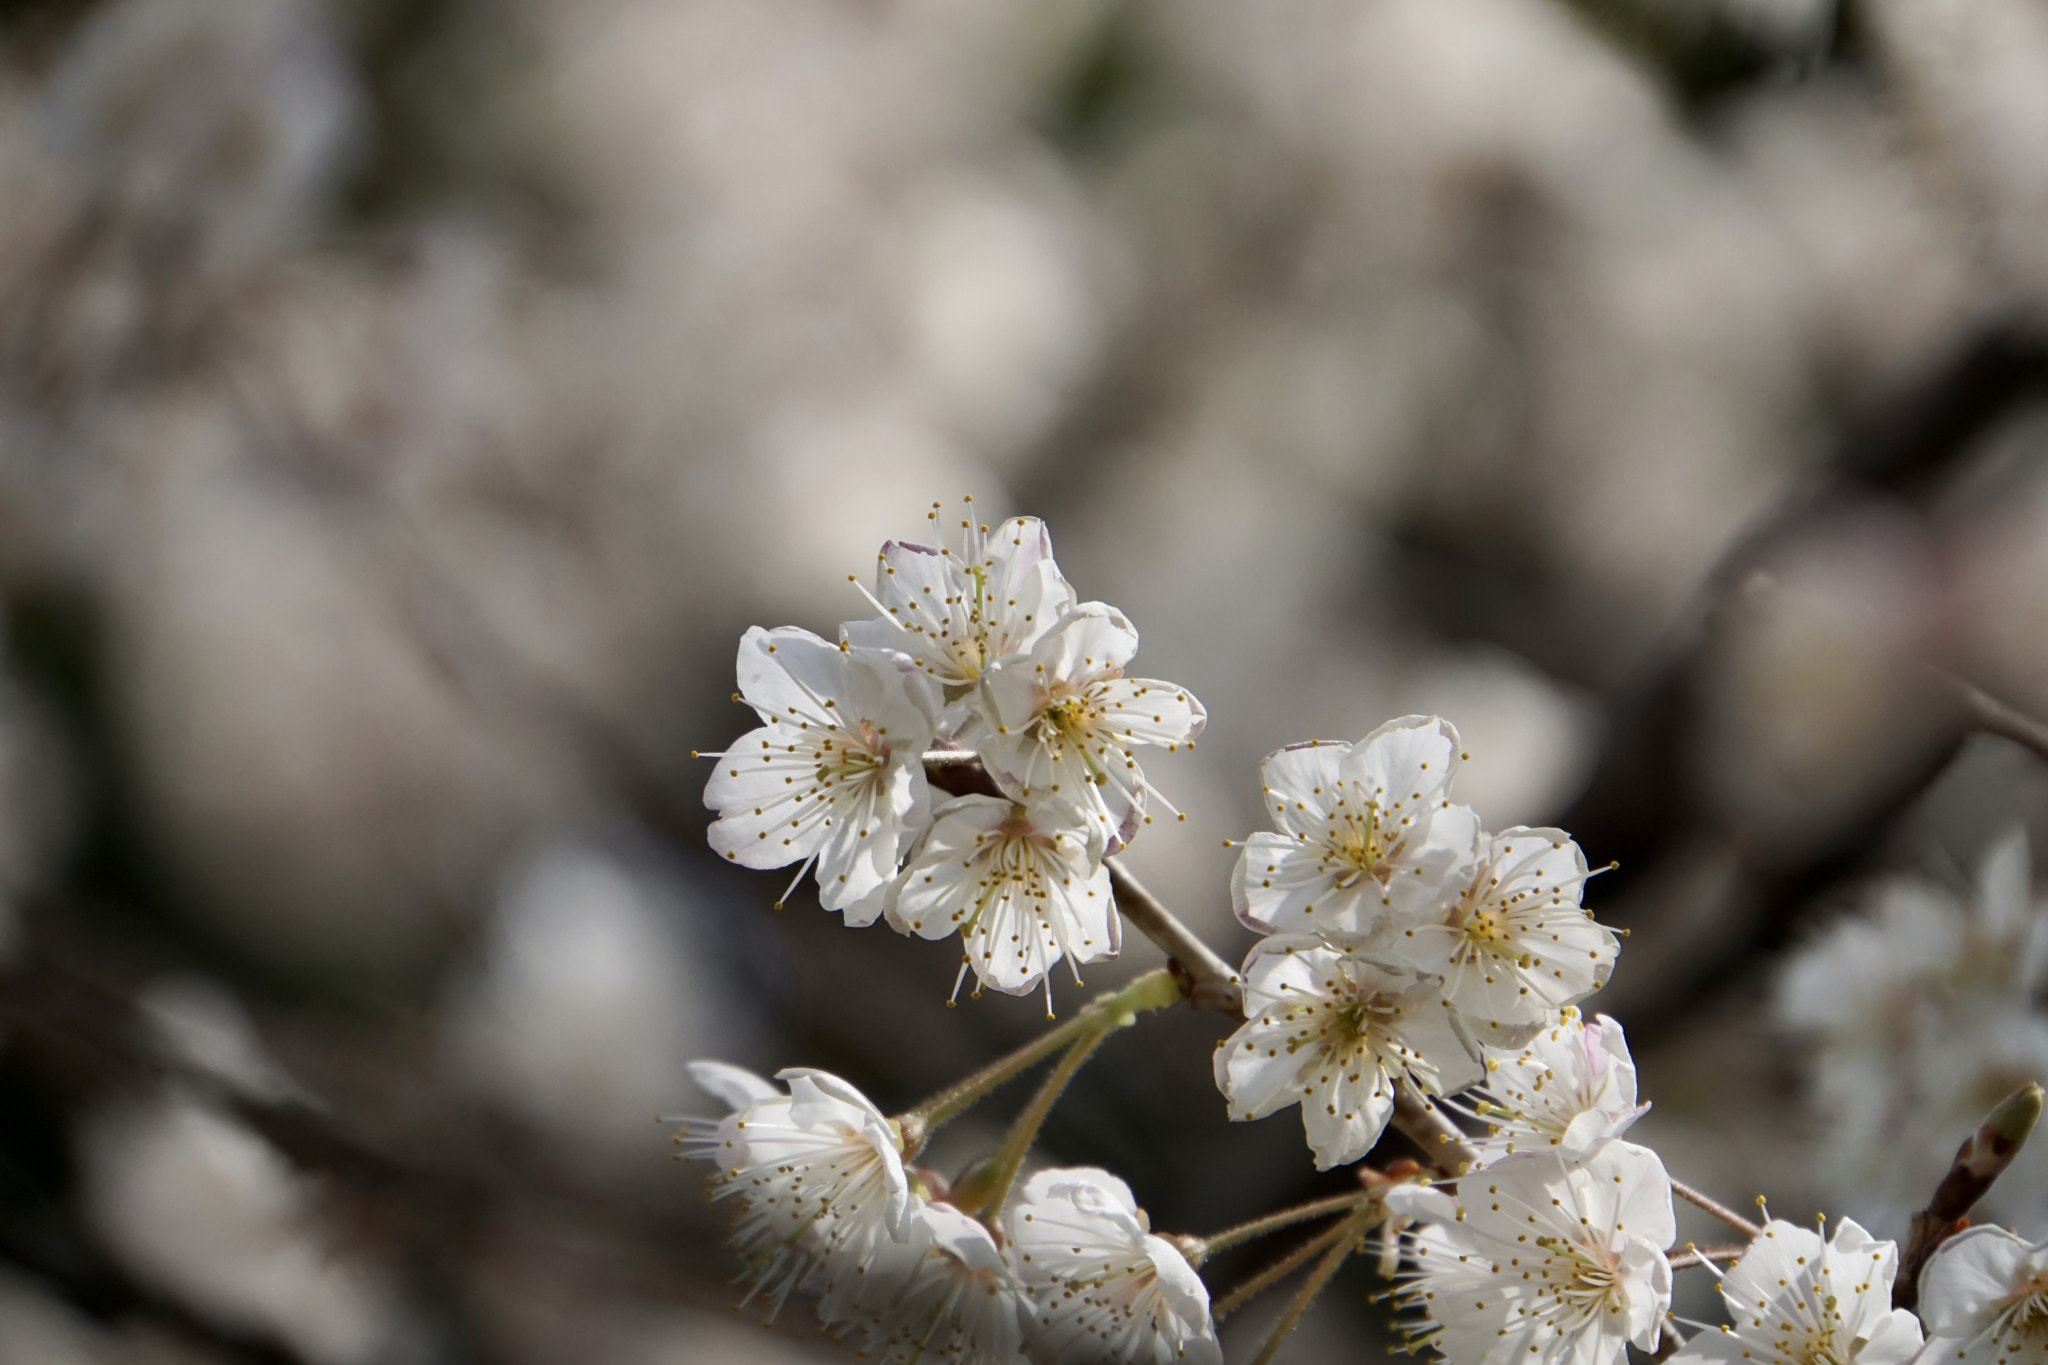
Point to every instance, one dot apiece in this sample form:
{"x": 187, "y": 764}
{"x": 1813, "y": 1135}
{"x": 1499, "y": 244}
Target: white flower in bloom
{"x": 1515, "y": 945}
{"x": 957, "y": 613}
{"x": 1572, "y": 1088}
{"x": 1541, "y": 1260}
{"x": 1023, "y": 886}
{"x": 1798, "y": 1300}
{"x": 945, "y": 1293}
{"x": 1984, "y": 1295}
{"x": 1105, "y": 1289}
{"x": 835, "y": 774}
{"x": 1063, "y": 720}
{"x": 818, "y": 1174}
{"x": 1367, "y": 837}
{"x": 1333, "y": 1030}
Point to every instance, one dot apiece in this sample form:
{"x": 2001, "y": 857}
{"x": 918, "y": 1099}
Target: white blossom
{"x": 1798, "y": 1300}
{"x": 1022, "y": 884}
{"x": 835, "y": 774}
{"x": 1922, "y": 1013}
{"x": 1984, "y": 1296}
{"x": 1063, "y": 720}
{"x": 1572, "y": 1087}
{"x": 1514, "y": 945}
{"x": 944, "y": 1293}
{"x": 817, "y": 1173}
{"x": 956, "y": 613}
{"x": 1333, "y": 1029}
{"x": 1536, "y": 1260}
{"x": 1104, "y": 1288}
{"x": 1366, "y": 838}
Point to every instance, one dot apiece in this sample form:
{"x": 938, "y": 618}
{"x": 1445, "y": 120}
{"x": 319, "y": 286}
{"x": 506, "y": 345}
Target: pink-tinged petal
{"x": 1280, "y": 885}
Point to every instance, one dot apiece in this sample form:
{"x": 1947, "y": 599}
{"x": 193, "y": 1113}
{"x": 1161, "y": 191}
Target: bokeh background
{"x": 405, "y": 405}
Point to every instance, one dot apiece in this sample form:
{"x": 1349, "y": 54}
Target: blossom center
{"x": 1360, "y": 844}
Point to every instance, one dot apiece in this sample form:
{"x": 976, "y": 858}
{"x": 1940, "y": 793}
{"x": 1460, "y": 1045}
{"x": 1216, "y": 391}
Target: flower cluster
{"x": 1921, "y": 1012}
{"x": 1404, "y": 944}
{"x": 1070, "y": 1274}
{"x": 987, "y": 652}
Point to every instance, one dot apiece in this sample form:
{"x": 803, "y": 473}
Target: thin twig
{"x": 1425, "y": 1125}
{"x": 1211, "y": 985}
{"x": 1713, "y": 1255}
{"x": 1715, "y": 1207}
{"x": 1988, "y": 715}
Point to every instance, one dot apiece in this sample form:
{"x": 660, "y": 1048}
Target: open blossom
{"x": 944, "y": 1293}
{"x": 835, "y": 774}
{"x": 1571, "y": 1088}
{"x": 1798, "y": 1300}
{"x": 1514, "y": 944}
{"x": 1022, "y": 884}
{"x": 1333, "y": 1030}
{"x": 1063, "y": 720}
{"x": 1104, "y": 1289}
{"x": 1366, "y": 836}
{"x": 1984, "y": 1295}
{"x": 1536, "y": 1260}
{"x": 956, "y": 613}
{"x": 817, "y": 1174}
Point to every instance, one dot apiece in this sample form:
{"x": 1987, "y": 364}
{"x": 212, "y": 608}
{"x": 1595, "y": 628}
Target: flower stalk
{"x": 1155, "y": 990}
{"x": 1342, "y": 1245}
{"x": 1202, "y": 1248}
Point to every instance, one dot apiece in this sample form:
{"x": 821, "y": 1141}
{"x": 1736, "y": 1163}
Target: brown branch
{"x": 1210, "y": 983}
{"x": 1713, "y": 1255}
{"x": 1715, "y": 1207}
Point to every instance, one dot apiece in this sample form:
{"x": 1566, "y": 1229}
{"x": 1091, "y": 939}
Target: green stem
{"x": 1154, "y": 990}
{"x": 1274, "y": 1222}
{"x": 1278, "y": 1271}
{"x": 1350, "y": 1231}
{"x": 986, "y": 1188}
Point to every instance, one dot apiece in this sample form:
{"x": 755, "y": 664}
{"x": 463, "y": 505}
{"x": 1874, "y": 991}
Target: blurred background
{"x": 405, "y": 406}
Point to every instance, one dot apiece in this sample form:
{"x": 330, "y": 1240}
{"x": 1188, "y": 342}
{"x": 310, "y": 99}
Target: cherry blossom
{"x": 1366, "y": 838}
{"x": 1514, "y": 944}
{"x": 1104, "y": 1288}
{"x": 835, "y": 774}
{"x": 1572, "y": 1088}
{"x": 1333, "y": 1029}
{"x": 1798, "y": 1300}
{"x": 956, "y": 613}
{"x": 1063, "y": 720}
{"x": 944, "y": 1293}
{"x": 817, "y": 1173}
{"x": 1541, "y": 1260}
{"x": 1022, "y": 884}
{"x": 1984, "y": 1295}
